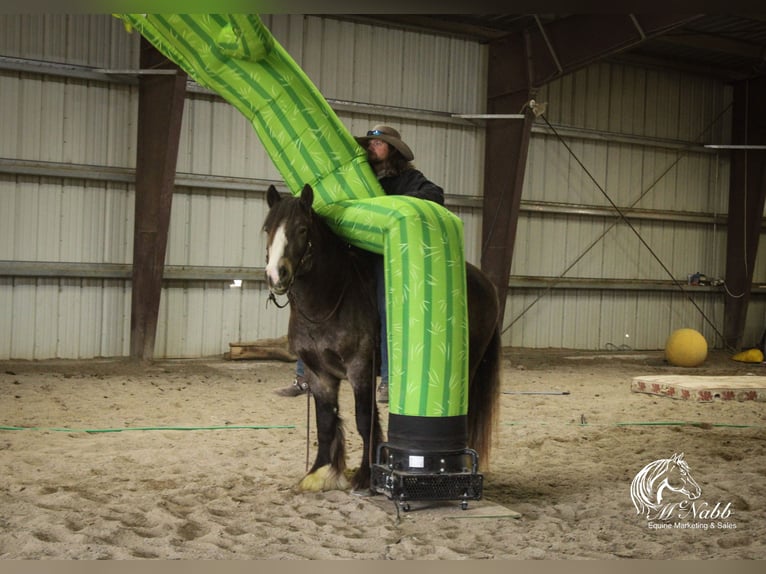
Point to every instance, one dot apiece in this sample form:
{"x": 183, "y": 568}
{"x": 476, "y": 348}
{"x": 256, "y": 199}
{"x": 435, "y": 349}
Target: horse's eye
{"x": 303, "y": 230}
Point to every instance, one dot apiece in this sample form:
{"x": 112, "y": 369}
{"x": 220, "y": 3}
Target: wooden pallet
{"x": 701, "y": 388}
{"x": 263, "y": 349}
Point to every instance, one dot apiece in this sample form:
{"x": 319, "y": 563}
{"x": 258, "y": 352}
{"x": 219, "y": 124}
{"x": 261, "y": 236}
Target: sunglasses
{"x": 376, "y": 133}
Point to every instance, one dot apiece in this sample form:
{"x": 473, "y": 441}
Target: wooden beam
{"x": 507, "y": 142}
{"x": 160, "y": 110}
{"x": 747, "y": 191}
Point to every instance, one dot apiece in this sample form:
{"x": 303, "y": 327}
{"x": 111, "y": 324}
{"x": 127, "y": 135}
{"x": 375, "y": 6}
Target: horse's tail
{"x": 483, "y": 394}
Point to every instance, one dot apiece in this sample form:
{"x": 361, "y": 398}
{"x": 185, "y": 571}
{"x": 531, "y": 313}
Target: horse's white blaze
{"x": 276, "y": 252}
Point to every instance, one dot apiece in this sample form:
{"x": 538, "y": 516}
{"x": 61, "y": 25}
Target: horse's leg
{"x": 330, "y": 461}
{"x": 367, "y": 421}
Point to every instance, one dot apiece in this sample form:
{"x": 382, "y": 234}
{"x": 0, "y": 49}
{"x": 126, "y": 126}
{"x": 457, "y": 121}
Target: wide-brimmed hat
{"x": 388, "y": 135}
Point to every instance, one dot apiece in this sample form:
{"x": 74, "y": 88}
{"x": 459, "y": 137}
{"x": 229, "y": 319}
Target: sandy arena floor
{"x": 564, "y": 461}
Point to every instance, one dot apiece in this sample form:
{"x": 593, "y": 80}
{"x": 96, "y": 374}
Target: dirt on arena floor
{"x": 97, "y": 460}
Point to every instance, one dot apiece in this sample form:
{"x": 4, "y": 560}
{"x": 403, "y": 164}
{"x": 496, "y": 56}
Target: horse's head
{"x": 288, "y": 244}
{"x": 678, "y": 479}
{"x": 669, "y": 474}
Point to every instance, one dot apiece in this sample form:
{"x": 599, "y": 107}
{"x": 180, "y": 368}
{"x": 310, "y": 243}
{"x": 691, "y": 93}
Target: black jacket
{"x": 413, "y": 183}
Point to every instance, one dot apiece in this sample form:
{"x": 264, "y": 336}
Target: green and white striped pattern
{"x": 422, "y": 243}
{"x": 422, "y": 246}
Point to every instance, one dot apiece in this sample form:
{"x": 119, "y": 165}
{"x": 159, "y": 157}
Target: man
{"x": 391, "y": 160}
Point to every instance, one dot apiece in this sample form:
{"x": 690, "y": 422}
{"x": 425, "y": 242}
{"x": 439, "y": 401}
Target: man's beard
{"x": 381, "y": 167}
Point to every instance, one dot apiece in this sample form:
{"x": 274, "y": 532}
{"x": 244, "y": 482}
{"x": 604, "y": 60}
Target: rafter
{"x": 711, "y": 43}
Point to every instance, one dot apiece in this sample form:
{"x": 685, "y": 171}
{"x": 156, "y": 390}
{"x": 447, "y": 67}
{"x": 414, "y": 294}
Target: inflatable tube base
{"x": 434, "y": 434}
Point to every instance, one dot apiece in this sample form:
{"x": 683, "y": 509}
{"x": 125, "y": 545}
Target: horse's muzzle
{"x": 280, "y": 278}
{"x": 279, "y": 287}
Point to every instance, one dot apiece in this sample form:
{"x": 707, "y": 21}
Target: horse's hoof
{"x": 360, "y": 480}
{"x": 323, "y": 478}
{"x": 362, "y": 492}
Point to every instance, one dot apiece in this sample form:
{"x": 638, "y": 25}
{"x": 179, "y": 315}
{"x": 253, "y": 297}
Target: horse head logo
{"x": 658, "y": 479}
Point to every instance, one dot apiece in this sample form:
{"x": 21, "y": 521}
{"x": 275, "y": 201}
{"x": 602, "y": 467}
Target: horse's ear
{"x": 307, "y": 196}
{"x": 272, "y": 196}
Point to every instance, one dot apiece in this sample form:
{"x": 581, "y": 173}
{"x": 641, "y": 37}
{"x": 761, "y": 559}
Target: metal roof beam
{"x": 580, "y": 40}
{"x": 729, "y": 46}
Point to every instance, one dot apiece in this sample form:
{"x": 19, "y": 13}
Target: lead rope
{"x": 373, "y": 415}
{"x": 308, "y": 424}
{"x": 294, "y": 302}
{"x": 273, "y": 299}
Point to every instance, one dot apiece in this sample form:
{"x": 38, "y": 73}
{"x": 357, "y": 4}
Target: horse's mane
{"x": 284, "y": 209}
{"x": 642, "y": 488}
{"x": 288, "y": 207}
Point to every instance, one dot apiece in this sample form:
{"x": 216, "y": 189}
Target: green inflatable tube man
{"x": 421, "y": 242}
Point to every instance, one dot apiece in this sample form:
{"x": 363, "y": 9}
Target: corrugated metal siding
{"x": 44, "y": 219}
{"x": 95, "y": 40}
{"x": 69, "y": 120}
{"x": 51, "y": 220}
{"x": 605, "y": 319}
{"x": 69, "y": 318}
{"x": 202, "y": 319}
{"x": 663, "y": 109}
{"x": 389, "y": 67}
{"x": 87, "y": 122}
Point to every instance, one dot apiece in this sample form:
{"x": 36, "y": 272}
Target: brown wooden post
{"x": 747, "y": 190}
{"x": 505, "y": 159}
{"x": 160, "y": 111}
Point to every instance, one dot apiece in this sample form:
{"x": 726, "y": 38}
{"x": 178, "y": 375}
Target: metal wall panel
{"x": 69, "y": 318}
{"x": 202, "y": 319}
{"x": 632, "y": 129}
{"x": 390, "y": 67}
{"x": 755, "y": 328}
{"x": 407, "y": 70}
{"x": 69, "y": 120}
{"x": 46, "y": 219}
{"x": 95, "y": 40}
{"x": 605, "y": 319}
{"x": 66, "y": 120}
{"x": 626, "y": 124}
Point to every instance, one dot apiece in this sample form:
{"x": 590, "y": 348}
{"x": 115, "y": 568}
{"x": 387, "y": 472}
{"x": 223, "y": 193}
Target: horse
{"x": 334, "y": 327}
{"x": 649, "y": 485}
